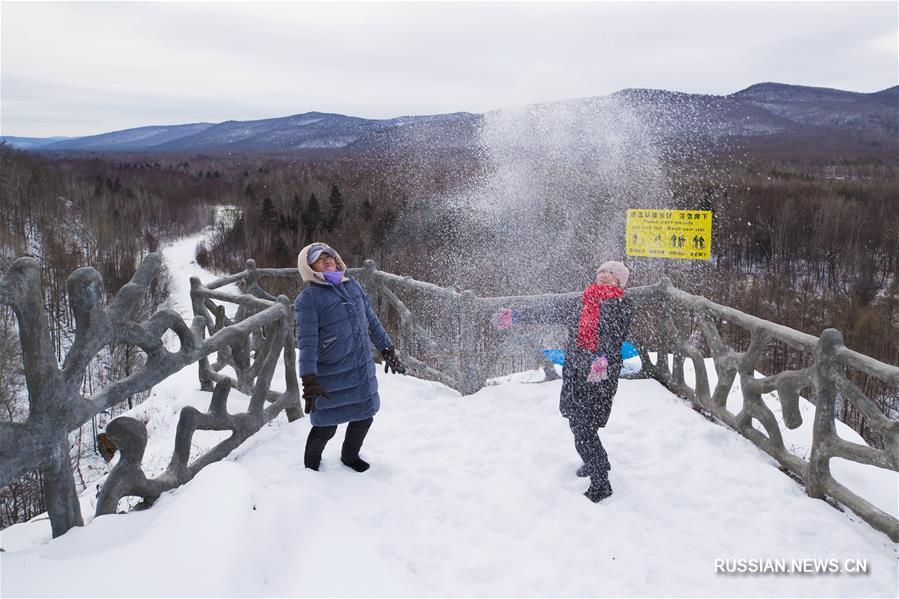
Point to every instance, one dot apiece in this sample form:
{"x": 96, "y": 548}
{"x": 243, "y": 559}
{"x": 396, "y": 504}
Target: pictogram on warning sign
{"x": 684, "y": 234}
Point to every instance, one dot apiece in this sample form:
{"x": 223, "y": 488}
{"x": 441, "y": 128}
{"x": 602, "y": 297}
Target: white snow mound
{"x": 466, "y": 495}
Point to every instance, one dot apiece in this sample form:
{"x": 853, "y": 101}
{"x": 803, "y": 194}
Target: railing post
{"x": 196, "y": 302}
{"x": 659, "y": 332}
{"x": 60, "y": 492}
{"x": 252, "y": 273}
{"x": 368, "y": 275}
{"x": 825, "y": 398}
{"x": 293, "y": 410}
{"x": 472, "y": 378}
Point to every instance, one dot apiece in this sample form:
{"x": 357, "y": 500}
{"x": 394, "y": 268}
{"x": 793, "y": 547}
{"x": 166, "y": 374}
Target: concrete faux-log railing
{"x": 824, "y": 375}
{"x": 445, "y": 336}
{"x": 663, "y": 309}
{"x": 253, "y": 344}
{"x": 57, "y": 407}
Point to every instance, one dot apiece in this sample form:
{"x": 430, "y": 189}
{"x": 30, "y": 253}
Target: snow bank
{"x": 877, "y": 485}
{"x": 466, "y": 495}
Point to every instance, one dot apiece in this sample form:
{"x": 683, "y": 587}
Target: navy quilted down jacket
{"x": 335, "y": 328}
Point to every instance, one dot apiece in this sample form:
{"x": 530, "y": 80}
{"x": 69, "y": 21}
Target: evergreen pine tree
{"x": 268, "y": 216}
{"x": 296, "y": 213}
{"x": 335, "y": 212}
{"x": 312, "y": 217}
{"x": 281, "y": 248}
{"x": 368, "y": 210}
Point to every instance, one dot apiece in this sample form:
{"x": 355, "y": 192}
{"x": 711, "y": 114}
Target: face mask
{"x": 333, "y": 277}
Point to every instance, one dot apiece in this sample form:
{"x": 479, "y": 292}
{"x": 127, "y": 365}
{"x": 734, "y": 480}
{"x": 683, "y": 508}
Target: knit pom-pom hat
{"x": 616, "y": 268}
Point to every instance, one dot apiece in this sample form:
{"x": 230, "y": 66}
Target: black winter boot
{"x": 352, "y": 443}
{"x": 598, "y": 490}
{"x": 315, "y": 445}
{"x": 359, "y": 465}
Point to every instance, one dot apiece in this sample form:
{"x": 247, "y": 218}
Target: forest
{"x": 810, "y": 244}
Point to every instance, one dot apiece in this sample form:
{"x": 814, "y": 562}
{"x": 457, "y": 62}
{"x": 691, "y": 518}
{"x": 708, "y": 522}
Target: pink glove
{"x": 504, "y": 318}
{"x": 599, "y": 370}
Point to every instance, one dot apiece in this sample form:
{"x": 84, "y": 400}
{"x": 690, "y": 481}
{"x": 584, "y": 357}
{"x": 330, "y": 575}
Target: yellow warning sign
{"x": 684, "y": 234}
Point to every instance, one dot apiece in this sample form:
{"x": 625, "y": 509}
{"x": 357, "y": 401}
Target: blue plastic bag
{"x": 628, "y": 351}
{"x": 557, "y": 356}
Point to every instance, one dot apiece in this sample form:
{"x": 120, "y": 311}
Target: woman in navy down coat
{"x": 335, "y": 328}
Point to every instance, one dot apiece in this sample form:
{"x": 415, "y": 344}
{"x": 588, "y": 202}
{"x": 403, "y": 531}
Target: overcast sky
{"x": 85, "y": 68}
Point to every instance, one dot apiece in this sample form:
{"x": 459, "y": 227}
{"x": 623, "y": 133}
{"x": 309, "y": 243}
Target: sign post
{"x": 676, "y": 234}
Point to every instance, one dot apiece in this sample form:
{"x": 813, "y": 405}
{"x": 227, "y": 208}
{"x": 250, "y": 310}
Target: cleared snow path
{"x": 466, "y": 496}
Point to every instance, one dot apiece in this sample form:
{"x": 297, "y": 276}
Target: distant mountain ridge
{"x": 762, "y": 113}
{"x": 130, "y": 139}
{"x": 878, "y": 111}
{"x": 311, "y": 130}
{"x": 30, "y": 143}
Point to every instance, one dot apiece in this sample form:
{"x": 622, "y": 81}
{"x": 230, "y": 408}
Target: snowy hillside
{"x": 139, "y": 138}
{"x": 466, "y": 496}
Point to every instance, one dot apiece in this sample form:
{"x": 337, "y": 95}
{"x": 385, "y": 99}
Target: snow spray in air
{"x": 551, "y": 204}
{"x": 553, "y": 187}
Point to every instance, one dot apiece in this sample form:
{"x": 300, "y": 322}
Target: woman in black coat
{"x": 597, "y": 323}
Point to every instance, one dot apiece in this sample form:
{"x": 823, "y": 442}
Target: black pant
{"x": 589, "y": 447}
{"x": 352, "y": 442}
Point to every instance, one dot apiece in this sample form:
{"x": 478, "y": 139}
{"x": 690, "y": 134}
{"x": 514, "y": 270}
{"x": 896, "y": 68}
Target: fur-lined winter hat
{"x": 616, "y": 268}
{"x": 310, "y": 254}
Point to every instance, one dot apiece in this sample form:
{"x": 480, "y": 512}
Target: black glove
{"x": 392, "y": 361}
{"x": 312, "y": 389}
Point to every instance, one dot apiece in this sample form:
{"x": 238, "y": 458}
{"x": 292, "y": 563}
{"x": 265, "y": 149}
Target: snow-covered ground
{"x": 467, "y": 495}
{"x": 179, "y": 259}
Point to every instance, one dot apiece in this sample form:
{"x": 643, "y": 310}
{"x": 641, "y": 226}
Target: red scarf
{"x": 594, "y": 295}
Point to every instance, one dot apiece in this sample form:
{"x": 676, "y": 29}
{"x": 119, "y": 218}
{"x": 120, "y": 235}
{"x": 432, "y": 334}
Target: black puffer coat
{"x": 591, "y": 402}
